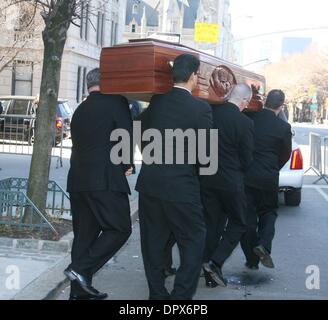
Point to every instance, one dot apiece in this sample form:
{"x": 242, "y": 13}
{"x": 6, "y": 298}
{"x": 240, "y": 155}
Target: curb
{"x": 51, "y": 282}
{"x": 41, "y": 246}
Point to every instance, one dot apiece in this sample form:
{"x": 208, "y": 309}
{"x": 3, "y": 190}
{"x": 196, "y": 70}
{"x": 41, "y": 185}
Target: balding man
{"x": 223, "y": 194}
{"x": 273, "y": 146}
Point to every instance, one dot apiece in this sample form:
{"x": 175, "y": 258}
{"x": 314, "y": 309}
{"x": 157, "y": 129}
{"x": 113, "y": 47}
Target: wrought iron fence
{"x": 325, "y": 157}
{"x": 14, "y": 203}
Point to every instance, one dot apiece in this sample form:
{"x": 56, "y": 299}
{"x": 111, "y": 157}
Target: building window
{"x": 135, "y": 9}
{"x": 81, "y": 88}
{"x": 133, "y": 28}
{"x": 78, "y": 86}
{"x": 84, "y": 21}
{"x": 22, "y": 78}
{"x": 114, "y": 33}
{"x": 100, "y": 28}
{"x": 84, "y": 82}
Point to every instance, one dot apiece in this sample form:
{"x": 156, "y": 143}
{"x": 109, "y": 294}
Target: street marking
{"x": 319, "y": 189}
{"x": 311, "y": 186}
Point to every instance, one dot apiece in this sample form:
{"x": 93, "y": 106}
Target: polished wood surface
{"x": 142, "y": 68}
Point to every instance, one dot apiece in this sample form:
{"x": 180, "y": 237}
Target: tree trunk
{"x": 54, "y": 36}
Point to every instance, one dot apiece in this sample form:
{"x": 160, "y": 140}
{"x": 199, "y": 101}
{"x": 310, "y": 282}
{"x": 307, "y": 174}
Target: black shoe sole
{"x": 265, "y": 258}
{"x": 251, "y": 267}
{"x": 215, "y": 277}
{"x": 87, "y": 298}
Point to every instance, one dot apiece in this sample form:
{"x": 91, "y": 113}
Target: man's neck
{"x": 236, "y": 104}
{"x": 276, "y": 112}
{"x": 94, "y": 89}
{"x": 184, "y": 86}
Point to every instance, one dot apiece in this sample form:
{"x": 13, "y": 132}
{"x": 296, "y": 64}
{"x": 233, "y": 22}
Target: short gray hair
{"x": 241, "y": 92}
{"x": 93, "y": 78}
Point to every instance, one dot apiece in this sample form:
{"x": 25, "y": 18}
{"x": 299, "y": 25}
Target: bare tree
{"x": 57, "y": 16}
{"x": 18, "y": 37}
{"x": 297, "y": 74}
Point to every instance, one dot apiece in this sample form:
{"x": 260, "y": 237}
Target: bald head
{"x": 241, "y": 95}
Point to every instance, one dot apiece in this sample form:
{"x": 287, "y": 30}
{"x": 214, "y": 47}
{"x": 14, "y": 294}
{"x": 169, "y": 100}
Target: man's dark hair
{"x": 184, "y": 66}
{"x": 275, "y": 99}
{"x": 93, "y": 77}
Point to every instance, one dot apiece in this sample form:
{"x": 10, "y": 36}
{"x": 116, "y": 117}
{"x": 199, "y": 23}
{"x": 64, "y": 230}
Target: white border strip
{"x": 319, "y": 189}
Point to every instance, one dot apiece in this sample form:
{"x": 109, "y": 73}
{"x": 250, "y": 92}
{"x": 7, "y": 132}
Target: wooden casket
{"x": 141, "y": 68}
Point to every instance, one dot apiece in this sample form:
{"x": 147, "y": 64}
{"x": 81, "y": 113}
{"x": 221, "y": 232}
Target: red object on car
{"x": 59, "y": 123}
{"x": 296, "y": 162}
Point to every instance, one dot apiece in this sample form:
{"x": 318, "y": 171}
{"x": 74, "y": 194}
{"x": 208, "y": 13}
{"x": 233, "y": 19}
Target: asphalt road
{"x": 301, "y": 243}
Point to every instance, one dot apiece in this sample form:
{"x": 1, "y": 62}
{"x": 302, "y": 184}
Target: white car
{"x": 291, "y": 175}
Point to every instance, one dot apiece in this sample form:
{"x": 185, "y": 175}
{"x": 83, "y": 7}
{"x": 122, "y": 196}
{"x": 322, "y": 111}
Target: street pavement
{"x": 301, "y": 242}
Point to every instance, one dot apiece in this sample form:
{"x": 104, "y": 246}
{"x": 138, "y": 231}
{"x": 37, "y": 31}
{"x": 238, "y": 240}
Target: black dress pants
{"x": 158, "y": 220}
{"x": 261, "y": 218}
{"x": 169, "y": 253}
{"x": 101, "y": 225}
{"x": 225, "y": 221}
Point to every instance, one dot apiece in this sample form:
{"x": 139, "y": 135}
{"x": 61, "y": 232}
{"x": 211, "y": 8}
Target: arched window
{"x": 135, "y": 9}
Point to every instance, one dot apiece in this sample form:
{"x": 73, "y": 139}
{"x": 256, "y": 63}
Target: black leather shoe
{"x": 100, "y": 296}
{"x": 84, "y": 284}
{"x": 209, "y": 282}
{"x": 170, "y": 272}
{"x": 251, "y": 266}
{"x": 97, "y": 294}
{"x": 215, "y": 273}
{"x": 264, "y": 256}
{"x": 74, "y": 276}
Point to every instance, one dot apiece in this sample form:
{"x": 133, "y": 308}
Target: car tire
{"x": 293, "y": 197}
{"x": 30, "y": 138}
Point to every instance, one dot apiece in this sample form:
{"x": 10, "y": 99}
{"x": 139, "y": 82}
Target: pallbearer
{"x": 223, "y": 194}
{"x": 169, "y": 194}
{"x": 273, "y": 145}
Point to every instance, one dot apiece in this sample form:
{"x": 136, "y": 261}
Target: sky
{"x": 256, "y": 17}
{"x": 250, "y": 17}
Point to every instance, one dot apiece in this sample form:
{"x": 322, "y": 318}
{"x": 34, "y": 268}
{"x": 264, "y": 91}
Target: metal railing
{"x": 14, "y": 203}
{"x": 17, "y": 137}
{"x": 325, "y": 158}
{"x": 316, "y": 158}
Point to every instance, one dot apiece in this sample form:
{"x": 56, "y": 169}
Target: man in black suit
{"x": 98, "y": 188}
{"x": 273, "y": 145}
{"x": 223, "y": 193}
{"x": 169, "y": 194}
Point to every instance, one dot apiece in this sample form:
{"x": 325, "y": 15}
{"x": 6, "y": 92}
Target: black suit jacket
{"x": 273, "y": 145}
{"x": 235, "y": 148}
{"x": 91, "y": 126}
{"x": 177, "y": 109}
